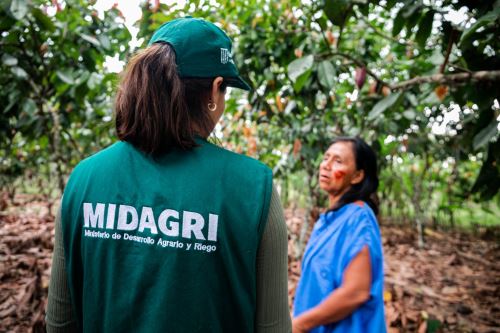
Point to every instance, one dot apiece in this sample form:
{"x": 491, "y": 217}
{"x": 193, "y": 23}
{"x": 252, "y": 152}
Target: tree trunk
{"x": 449, "y": 189}
{"x": 417, "y": 201}
{"x": 56, "y": 144}
{"x": 309, "y": 219}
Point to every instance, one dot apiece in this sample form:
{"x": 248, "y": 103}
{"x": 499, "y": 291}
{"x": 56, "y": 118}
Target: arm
{"x": 59, "y": 316}
{"x": 354, "y": 291}
{"x": 272, "y": 313}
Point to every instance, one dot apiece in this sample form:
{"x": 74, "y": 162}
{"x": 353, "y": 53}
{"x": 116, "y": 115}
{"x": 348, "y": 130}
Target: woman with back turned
{"x": 164, "y": 231}
{"x": 341, "y": 287}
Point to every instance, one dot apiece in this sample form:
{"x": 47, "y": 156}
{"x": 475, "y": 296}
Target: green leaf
{"x": 337, "y": 11}
{"x": 399, "y": 23}
{"x": 301, "y": 81}
{"x": 18, "y": 8}
{"x": 66, "y": 75}
{"x": 104, "y": 40}
{"x": 489, "y": 17}
{"x": 6, "y": 23}
{"x": 43, "y": 20}
{"x": 292, "y": 105}
{"x": 322, "y": 23}
{"x": 19, "y": 72}
{"x": 411, "y": 22}
{"x": 82, "y": 77}
{"x": 412, "y": 99}
{"x": 485, "y": 135}
{"x": 424, "y": 28}
{"x": 91, "y": 40}
{"x": 29, "y": 106}
{"x": 43, "y": 142}
{"x": 487, "y": 183}
{"x": 383, "y": 105}
{"x": 9, "y": 60}
{"x": 326, "y": 74}
{"x": 409, "y": 114}
{"x": 364, "y": 9}
{"x": 431, "y": 99}
{"x": 390, "y": 3}
{"x": 411, "y": 8}
{"x": 14, "y": 98}
{"x": 299, "y": 66}
{"x": 94, "y": 80}
{"x": 436, "y": 58}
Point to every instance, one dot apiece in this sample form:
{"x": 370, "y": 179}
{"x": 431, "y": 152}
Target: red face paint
{"x": 339, "y": 174}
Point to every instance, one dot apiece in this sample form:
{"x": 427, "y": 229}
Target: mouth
{"x": 323, "y": 178}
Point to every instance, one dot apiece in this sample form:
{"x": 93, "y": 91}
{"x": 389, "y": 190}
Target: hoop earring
{"x": 212, "y": 106}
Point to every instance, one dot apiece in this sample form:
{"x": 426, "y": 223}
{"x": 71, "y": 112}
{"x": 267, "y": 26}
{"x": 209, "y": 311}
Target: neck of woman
{"x": 201, "y": 131}
{"x": 334, "y": 196}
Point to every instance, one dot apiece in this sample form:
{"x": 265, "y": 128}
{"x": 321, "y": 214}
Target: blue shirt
{"x": 336, "y": 239}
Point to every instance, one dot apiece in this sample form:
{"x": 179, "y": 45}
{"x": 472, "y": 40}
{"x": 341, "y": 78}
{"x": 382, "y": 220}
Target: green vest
{"x": 165, "y": 245}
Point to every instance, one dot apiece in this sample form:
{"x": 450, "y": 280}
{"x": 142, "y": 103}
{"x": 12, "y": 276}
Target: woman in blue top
{"x": 341, "y": 287}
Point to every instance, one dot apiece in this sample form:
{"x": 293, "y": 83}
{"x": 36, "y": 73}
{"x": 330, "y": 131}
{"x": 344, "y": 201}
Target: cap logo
{"x": 225, "y": 56}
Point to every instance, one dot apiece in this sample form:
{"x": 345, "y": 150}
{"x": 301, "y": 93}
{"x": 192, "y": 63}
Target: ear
{"x": 358, "y": 177}
{"x": 216, "y": 88}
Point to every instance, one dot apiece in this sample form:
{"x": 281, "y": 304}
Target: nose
{"x": 325, "y": 165}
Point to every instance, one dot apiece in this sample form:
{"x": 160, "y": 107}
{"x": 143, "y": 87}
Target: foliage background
{"x": 418, "y": 84}
{"x": 421, "y": 87}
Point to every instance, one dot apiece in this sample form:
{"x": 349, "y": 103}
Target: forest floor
{"x": 450, "y": 285}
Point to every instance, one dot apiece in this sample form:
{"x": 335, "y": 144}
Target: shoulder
{"x": 100, "y": 159}
{"x": 359, "y": 215}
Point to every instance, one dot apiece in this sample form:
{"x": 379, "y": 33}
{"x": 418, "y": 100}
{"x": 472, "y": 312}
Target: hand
{"x": 297, "y": 326}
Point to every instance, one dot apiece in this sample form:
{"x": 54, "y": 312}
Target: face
{"x": 337, "y": 171}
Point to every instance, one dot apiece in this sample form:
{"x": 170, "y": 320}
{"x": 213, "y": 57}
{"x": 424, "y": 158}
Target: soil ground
{"x": 450, "y": 285}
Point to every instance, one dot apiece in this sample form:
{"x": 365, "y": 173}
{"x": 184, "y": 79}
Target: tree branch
{"x": 460, "y": 68}
{"x": 74, "y": 143}
{"x": 358, "y": 63}
{"x": 448, "y": 51}
{"x": 448, "y": 78}
{"x": 340, "y": 37}
{"x": 324, "y": 37}
{"x": 436, "y": 78}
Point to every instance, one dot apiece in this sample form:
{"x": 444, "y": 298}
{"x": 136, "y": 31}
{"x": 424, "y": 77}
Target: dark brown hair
{"x": 155, "y": 109}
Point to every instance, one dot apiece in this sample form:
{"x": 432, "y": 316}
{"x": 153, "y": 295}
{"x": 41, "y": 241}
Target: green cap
{"x": 201, "y": 50}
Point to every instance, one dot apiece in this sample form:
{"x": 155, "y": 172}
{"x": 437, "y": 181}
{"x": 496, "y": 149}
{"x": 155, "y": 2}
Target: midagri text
{"x": 189, "y": 225}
